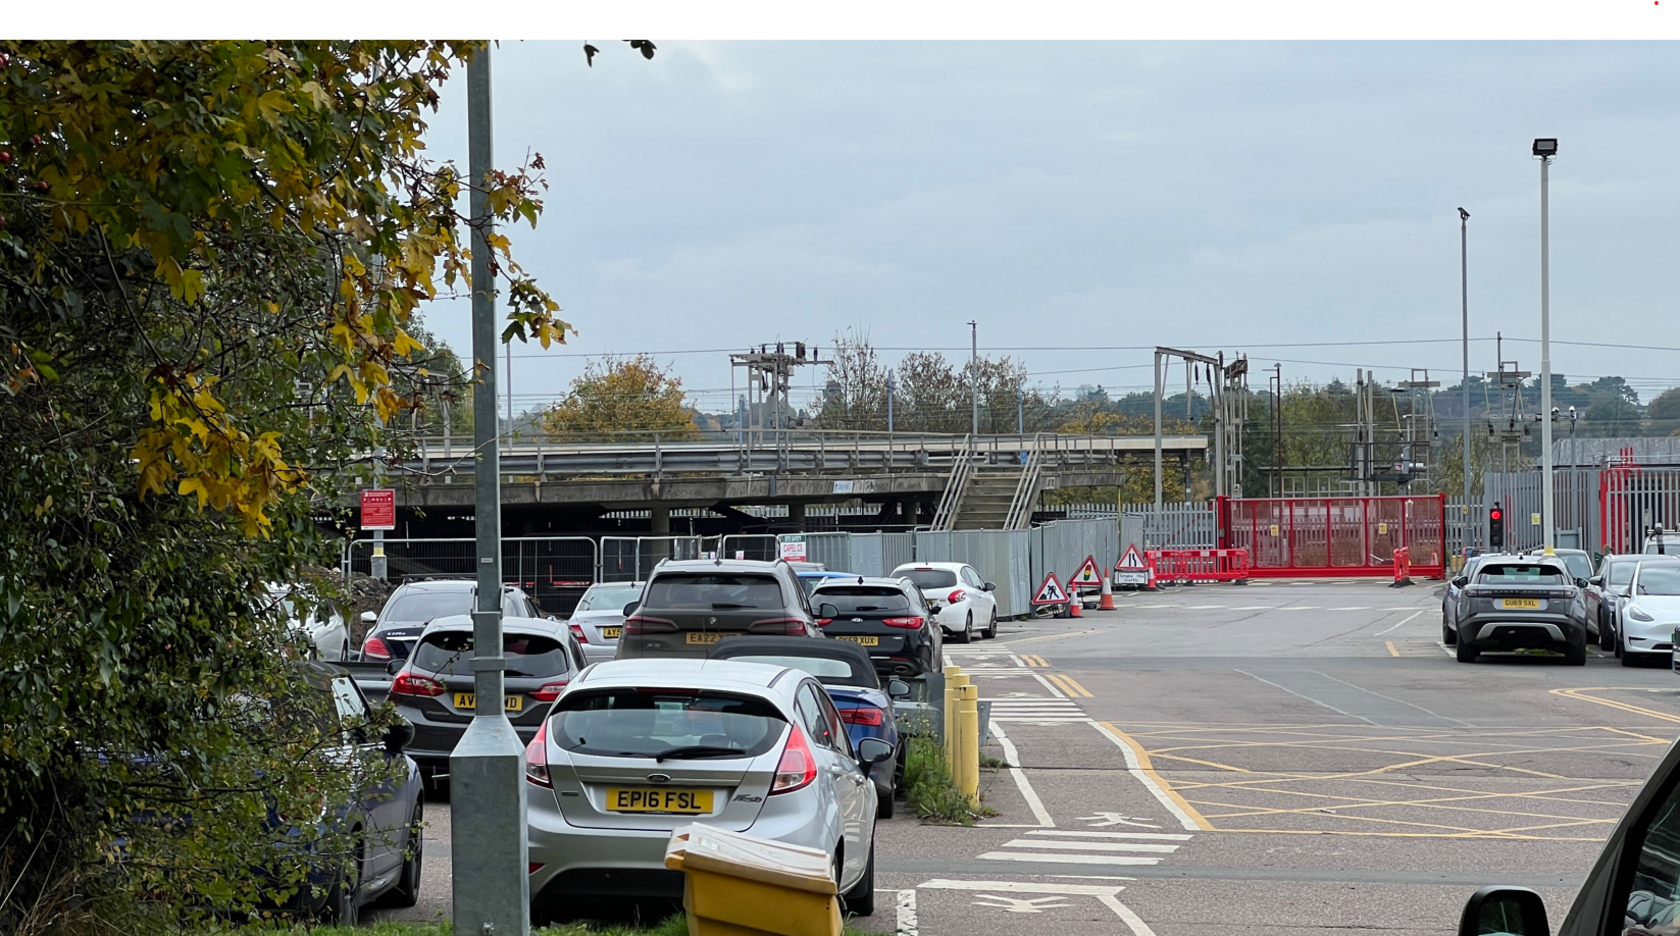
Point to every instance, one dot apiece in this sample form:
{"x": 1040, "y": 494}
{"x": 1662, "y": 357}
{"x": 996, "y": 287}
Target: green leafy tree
{"x": 1612, "y": 416}
{"x": 1664, "y": 413}
{"x": 624, "y": 399}
{"x": 211, "y": 259}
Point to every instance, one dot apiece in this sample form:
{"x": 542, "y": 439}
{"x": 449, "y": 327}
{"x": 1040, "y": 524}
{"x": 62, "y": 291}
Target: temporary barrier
{"x": 1315, "y": 537}
{"x": 553, "y": 570}
{"x": 1198, "y": 565}
{"x": 632, "y": 558}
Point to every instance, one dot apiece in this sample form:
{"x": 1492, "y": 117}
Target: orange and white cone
{"x": 1107, "y": 603}
{"x": 1076, "y": 603}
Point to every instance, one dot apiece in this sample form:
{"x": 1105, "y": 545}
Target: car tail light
{"x": 956, "y": 597}
{"x": 908, "y": 623}
{"x": 637, "y": 624}
{"x": 374, "y": 649}
{"x": 550, "y": 690}
{"x": 824, "y": 622}
{"x": 577, "y": 631}
{"x": 414, "y": 685}
{"x": 536, "y": 762}
{"x": 533, "y": 867}
{"x": 797, "y": 768}
{"x": 788, "y": 625}
{"x": 861, "y": 716}
{"x": 1560, "y": 593}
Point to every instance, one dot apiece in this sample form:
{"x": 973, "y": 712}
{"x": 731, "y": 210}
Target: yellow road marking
{"x": 1068, "y": 685}
{"x": 1391, "y": 650}
{"x": 1083, "y": 633}
{"x": 1032, "y": 660}
{"x": 1581, "y": 694}
{"x": 1149, "y": 771}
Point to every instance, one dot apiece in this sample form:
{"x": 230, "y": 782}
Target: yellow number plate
{"x": 512, "y": 703}
{"x": 865, "y": 641}
{"x": 706, "y": 637}
{"x": 655, "y": 800}
{"x": 1520, "y": 604}
{"x": 611, "y": 633}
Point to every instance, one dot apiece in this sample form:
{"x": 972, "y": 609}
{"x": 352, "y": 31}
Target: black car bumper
{"x": 1522, "y": 632}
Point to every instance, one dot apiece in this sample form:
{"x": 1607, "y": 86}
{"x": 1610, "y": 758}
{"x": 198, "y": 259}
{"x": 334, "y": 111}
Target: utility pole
{"x": 1277, "y": 432}
{"x": 1546, "y": 148}
{"x": 1464, "y": 289}
{"x": 889, "y": 402}
{"x": 974, "y": 371}
{"x": 488, "y": 856}
{"x": 1158, "y": 433}
{"x": 510, "y": 392}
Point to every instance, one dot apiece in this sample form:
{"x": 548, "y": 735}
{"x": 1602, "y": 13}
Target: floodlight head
{"x": 1545, "y": 147}
{"x": 1463, "y": 215}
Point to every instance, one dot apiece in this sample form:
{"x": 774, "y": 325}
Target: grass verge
{"x": 930, "y": 790}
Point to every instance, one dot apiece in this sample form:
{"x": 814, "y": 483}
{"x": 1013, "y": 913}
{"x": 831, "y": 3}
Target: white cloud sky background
{"x": 1215, "y": 196}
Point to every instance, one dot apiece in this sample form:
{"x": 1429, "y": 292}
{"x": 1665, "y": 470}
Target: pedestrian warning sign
{"x": 1051, "y": 592}
{"x": 1088, "y": 576}
{"x": 1131, "y": 569}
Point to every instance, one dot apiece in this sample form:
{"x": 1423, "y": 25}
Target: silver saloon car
{"x": 599, "y": 618}
{"x": 636, "y": 748}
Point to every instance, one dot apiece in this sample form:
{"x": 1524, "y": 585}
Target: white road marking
{"x": 1132, "y": 860}
{"x": 1102, "y": 819}
{"x": 1308, "y": 698}
{"x": 1153, "y": 836}
{"x": 1023, "y": 904}
{"x": 1095, "y": 846}
{"x": 1133, "y": 921}
{"x": 1025, "y": 887}
{"x": 907, "y": 912}
{"x": 1137, "y": 773}
{"x": 1012, "y": 757}
{"x": 1354, "y": 608}
{"x": 1402, "y": 621}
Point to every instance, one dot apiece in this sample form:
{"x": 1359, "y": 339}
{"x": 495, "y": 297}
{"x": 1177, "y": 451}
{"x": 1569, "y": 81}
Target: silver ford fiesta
{"x": 633, "y": 749}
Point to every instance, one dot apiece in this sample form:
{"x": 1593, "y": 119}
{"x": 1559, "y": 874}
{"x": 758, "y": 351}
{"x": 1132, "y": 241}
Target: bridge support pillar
{"x": 796, "y": 517}
{"x": 659, "y": 523}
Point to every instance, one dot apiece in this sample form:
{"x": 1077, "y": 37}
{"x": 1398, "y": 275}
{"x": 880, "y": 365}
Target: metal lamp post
{"x": 488, "y": 855}
{"x": 1464, "y": 288}
{"x": 974, "y": 372}
{"x": 1546, "y": 149}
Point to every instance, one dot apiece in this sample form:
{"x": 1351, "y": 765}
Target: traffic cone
{"x": 1150, "y": 585}
{"x": 1076, "y": 604}
{"x": 1107, "y": 603}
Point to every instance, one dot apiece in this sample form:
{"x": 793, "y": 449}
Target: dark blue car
{"x": 848, "y": 674}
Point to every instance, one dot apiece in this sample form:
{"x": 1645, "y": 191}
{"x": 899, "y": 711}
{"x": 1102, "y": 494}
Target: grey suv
{"x": 1522, "y": 602}
{"x": 690, "y": 605}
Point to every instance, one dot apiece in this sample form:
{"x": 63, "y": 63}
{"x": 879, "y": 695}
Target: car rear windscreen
{"x": 1520, "y": 574}
{"x": 676, "y": 723}
{"x": 528, "y": 655}
{"x": 683, "y": 591}
{"x": 423, "y": 606}
{"x": 1664, "y": 581}
{"x": 609, "y": 597}
{"x": 863, "y": 599}
{"x": 931, "y": 578}
{"x": 1577, "y": 564}
{"x": 1621, "y": 573}
{"x": 829, "y": 672}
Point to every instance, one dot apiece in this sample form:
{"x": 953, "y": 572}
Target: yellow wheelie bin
{"x": 739, "y": 885}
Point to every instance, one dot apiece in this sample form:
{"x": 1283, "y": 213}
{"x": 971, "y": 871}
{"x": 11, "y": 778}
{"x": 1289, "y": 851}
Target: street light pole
{"x": 1546, "y": 148}
{"x": 974, "y": 372}
{"x": 1464, "y": 289}
{"x": 488, "y": 856}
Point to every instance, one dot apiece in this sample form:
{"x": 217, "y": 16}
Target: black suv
{"x": 690, "y": 605}
{"x": 392, "y": 632}
{"x": 1522, "y": 602}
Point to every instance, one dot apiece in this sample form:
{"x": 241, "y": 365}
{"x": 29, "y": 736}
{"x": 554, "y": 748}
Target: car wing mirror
{"x": 1596, "y": 580}
{"x": 369, "y": 617}
{"x": 1516, "y": 911}
{"x": 630, "y": 608}
{"x": 872, "y": 751}
{"x": 399, "y": 735}
{"x": 988, "y": 587}
{"x": 1581, "y": 583}
{"x": 898, "y": 689}
{"x": 1461, "y": 581}
{"x": 826, "y": 610}
{"x": 394, "y": 667}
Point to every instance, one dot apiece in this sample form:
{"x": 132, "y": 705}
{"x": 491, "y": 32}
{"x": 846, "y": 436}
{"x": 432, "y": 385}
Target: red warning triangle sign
{"x": 1088, "y": 574}
{"x": 1131, "y": 561}
{"x": 1050, "y": 592}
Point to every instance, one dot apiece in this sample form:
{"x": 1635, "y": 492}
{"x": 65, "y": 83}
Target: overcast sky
{"x": 1081, "y": 196}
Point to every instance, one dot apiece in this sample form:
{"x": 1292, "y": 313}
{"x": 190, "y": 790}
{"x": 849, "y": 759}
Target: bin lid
{"x": 698, "y": 847}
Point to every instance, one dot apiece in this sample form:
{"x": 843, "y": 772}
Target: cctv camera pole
{"x": 1546, "y": 483}
{"x": 487, "y": 771}
{"x": 1464, "y": 286}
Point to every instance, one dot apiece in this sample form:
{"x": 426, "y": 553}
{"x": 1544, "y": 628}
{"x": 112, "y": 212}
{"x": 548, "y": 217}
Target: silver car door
{"x": 381, "y": 798}
{"x": 854, "y": 794}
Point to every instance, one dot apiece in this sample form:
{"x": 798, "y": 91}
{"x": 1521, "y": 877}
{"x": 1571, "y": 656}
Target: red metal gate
{"x": 1324, "y": 537}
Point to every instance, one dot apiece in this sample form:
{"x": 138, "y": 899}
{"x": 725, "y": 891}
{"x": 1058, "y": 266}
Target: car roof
{"x": 944, "y": 566}
{"x": 690, "y": 674}
{"x": 815, "y": 648}
{"x": 446, "y": 585}
{"x": 595, "y": 585}
{"x": 826, "y": 575}
{"x": 718, "y": 565}
{"x": 877, "y": 580}
{"x": 521, "y": 625}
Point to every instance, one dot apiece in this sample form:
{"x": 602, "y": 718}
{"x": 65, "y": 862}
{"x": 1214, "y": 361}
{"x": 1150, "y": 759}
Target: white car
{"x": 633, "y": 749}
{"x": 315, "y": 620}
{"x": 1650, "y": 612}
{"x": 599, "y": 618}
{"x": 960, "y": 594}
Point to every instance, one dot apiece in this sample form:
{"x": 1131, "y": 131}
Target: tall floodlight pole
{"x": 1464, "y": 289}
{"x": 1546, "y": 148}
{"x": 974, "y": 372}
{"x": 1158, "y": 392}
{"x": 488, "y": 860}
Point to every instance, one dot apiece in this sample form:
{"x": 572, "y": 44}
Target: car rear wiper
{"x": 726, "y": 606}
{"x": 697, "y": 750}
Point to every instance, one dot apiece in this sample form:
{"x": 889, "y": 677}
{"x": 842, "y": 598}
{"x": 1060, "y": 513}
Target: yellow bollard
{"x": 953, "y": 679}
{"x": 965, "y": 768}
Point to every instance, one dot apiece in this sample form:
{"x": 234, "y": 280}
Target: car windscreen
{"x": 1659, "y": 581}
{"x": 863, "y": 599}
{"x": 1621, "y": 573}
{"x": 528, "y": 655}
{"x": 425, "y": 605}
{"x": 1527, "y": 573}
{"x": 713, "y": 590}
{"x": 674, "y": 723}
{"x": 829, "y": 672}
{"x": 930, "y": 578}
{"x": 608, "y": 597}
{"x": 1577, "y": 563}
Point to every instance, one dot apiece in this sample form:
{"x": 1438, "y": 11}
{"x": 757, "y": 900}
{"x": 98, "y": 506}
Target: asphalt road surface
{"x": 1271, "y": 758}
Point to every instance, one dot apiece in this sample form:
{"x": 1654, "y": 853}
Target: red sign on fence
{"x": 379, "y": 509}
